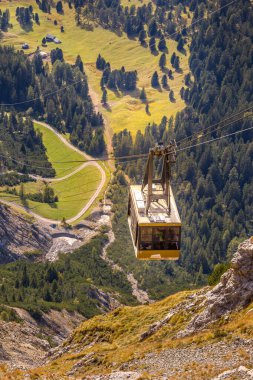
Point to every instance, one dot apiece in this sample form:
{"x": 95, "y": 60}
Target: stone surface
{"x": 20, "y": 234}
{"x": 234, "y": 291}
{"x": 26, "y": 344}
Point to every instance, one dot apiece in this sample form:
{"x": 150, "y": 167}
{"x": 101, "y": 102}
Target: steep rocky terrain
{"x": 204, "y": 334}
{"x": 20, "y": 234}
{"x": 25, "y": 343}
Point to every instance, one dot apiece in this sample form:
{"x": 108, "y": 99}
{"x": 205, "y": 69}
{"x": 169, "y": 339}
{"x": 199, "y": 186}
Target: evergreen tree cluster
{"x": 65, "y": 284}
{"x": 44, "y": 5}
{"x": 165, "y": 19}
{"x": 213, "y": 183}
{"x": 68, "y": 107}
{"x": 25, "y": 15}
{"x": 47, "y": 195}
{"x": 13, "y": 178}
{"x": 21, "y": 147}
{"x": 4, "y": 20}
{"x": 116, "y": 79}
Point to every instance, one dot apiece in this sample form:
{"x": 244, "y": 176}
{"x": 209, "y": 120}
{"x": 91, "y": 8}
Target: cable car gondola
{"x": 153, "y": 218}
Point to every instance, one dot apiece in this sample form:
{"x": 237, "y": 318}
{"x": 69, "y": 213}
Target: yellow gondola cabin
{"x": 153, "y": 217}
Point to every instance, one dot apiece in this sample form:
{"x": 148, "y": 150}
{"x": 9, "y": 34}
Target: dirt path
{"x": 87, "y": 157}
{"x": 140, "y": 294}
{"x": 61, "y": 178}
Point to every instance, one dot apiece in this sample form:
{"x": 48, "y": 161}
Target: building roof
{"x": 43, "y": 54}
{"x": 50, "y": 36}
{"x": 157, "y": 211}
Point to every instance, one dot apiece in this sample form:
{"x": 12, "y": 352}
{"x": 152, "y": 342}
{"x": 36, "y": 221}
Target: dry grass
{"x": 108, "y": 341}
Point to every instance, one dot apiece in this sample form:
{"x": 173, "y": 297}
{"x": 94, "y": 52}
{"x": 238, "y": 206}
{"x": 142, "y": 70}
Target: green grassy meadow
{"x": 58, "y": 152}
{"x": 73, "y": 193}
{"x": 125, "y": 111}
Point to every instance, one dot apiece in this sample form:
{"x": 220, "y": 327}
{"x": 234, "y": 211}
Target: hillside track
{"x": 85, "y": 164}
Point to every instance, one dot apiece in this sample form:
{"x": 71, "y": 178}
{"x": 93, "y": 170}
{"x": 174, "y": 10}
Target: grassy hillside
{"x": 109, "y": 342}
{"x": 125, "y": 111}
{"x": 58, "y": 151}
{"x": 73, "y": 193}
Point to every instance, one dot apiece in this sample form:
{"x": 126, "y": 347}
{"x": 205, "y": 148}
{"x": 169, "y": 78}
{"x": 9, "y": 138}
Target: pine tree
{"x": 162, "y": 43}
{"x": 143, "y": 95}
{"x": 36, "y": 18}
{"x": 170, "y": 74}
{"x": 177, "y": 63}
{"x": 100, "y": 62}
{"x": 155, "y": 80}
{"x": 79, "y": 63}
{"x": 152, "y": 28}
{"x": 25, "y": 279}
{"x": 22, "y": 192}
{"x": 162, "y": 61}
{"x": 165, "y": 81}
{"x": 142, "y": 37}
{"x": 104, "y": 97}
{"x": 172, "y": 60}
{"x": 182, "y": 92}
{"x": 152, "y": 44}
{"x": 59, "y": 7}
{"x": 171, "y": 96}
{"x": 180, "y": 45}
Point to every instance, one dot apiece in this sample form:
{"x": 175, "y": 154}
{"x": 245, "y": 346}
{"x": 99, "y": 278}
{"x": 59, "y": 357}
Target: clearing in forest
{"x": 125, "y": 110}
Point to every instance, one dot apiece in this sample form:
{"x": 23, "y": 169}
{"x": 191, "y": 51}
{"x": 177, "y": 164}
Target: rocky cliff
{"x": 234, "y": 291}
{"x": 204, "y": 334}
{"x": 25, "y": 343}
{"x": 20, "y": 234}
{"x": 190, "y": 335}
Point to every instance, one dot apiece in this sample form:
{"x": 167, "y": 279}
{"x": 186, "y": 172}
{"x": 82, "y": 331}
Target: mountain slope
{"x": 20, "y": 234}
{"x": 188, "y": 335}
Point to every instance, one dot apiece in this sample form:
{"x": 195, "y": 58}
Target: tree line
{"x": 166, "y": 18}
{"x": 61, "y": 95}
{"x": 64, "y": 284}
{"x": 116, "y": 79}
{"x": 21, "y": 147}
{"x": 25, "y": 16}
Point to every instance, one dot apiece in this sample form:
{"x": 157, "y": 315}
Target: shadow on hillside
{"x": 154, "y": 52}
{"x": 135, "y": 94}
{"x": 27, "y": 27}
{"x": 107, "y": 107}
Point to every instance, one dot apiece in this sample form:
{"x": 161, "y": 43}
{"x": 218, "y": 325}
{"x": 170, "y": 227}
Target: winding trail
{"x": 85, "y": 164}
{"x": 49, "y": 180}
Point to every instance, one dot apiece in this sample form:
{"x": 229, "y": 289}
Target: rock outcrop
{"x": 234, "y": 291}
{"x": 26, "y": 344}
{"x": 20, "y": 234}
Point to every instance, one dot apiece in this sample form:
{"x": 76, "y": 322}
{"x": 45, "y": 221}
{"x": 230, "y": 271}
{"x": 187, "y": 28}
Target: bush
{"x": 217, "y": 272}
